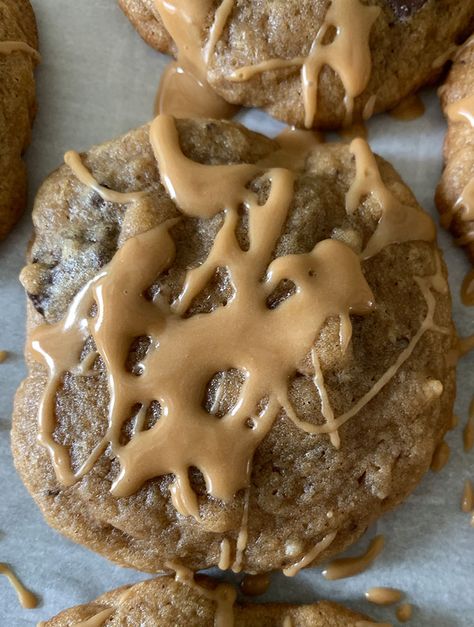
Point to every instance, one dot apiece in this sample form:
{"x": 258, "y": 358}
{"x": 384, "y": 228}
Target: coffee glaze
{"x": 468, "y": 432}
{"x": 467, "y": 501}
{"x": 223, "y": 595}
{"x": 467, "y": 289}
{"x": 465, "y": 345}
{"x": 9, "y": 47}
{"x": 3, "y": 356}
{"x": 225, "y": 555}
{"x": 371, "y": 623}
{"x": 383, "y": 596}
{"x": 73, "y": 160}
{"x": 184, "y": 91}
{"x": 404, "y": 612}
{"x": 410, "y": 108}
{"x": 27, "y": 599}
{"x": 291, "y": 571}
{"x": 329, "y": 282}
{"x": 98, "y": 619}
{"x": 348, "y": 54}
{"x": 296, "y": 144}
{"x": 398, "y": 222}
{"x": 255, "y": 585}
{"x": 440, "y": 457}
{"x": 350, "y": 566}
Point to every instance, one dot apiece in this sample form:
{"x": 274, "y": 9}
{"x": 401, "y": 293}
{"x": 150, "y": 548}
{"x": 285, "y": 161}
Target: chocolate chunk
{"x": 405, "y": 8}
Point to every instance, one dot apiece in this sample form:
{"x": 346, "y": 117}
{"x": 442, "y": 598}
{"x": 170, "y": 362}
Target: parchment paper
{"x": 96, "y": 81}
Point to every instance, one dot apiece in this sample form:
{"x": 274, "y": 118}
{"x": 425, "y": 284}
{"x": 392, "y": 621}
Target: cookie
{"x": 240, "y": 365}
{"x": 18, "y": 57}
{"x": 455, "y": 192}
{"x": 148, "y": 23}
{"x": 165, "y": 601}
{"x": 313, "y": 63}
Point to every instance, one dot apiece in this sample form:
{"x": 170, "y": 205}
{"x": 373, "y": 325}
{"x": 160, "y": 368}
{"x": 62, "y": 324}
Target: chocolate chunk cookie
{"x": 164, "y": 601}
{"x": 230, "y": 361}
{"x": 18, "y": 57}
{"x": 312, "y": 63}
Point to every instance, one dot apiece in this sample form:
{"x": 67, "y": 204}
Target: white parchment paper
{"x": 96, "y": 81}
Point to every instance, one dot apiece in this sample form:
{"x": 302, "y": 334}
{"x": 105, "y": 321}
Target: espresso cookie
{"x": 455, "y": 192}
{"x": 312, "y": 63}
{"x": 165, "y": 601}
{"x": 239, "y": 365}
{"x": 18, "y": 57}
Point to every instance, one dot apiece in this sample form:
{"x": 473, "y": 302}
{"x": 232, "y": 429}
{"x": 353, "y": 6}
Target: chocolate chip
{"x": 405, "y": 8}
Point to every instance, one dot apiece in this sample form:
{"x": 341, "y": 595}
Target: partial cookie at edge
{"x": 458, "y": 150}
{"x": 18, "y": 103}
{"x": 163, "y": 601}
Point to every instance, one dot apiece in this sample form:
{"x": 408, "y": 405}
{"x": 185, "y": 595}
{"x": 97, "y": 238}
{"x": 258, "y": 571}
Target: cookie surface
{"x": 18, "y": 104}
{"x": 391, "y": 388}
{"x": 164, "y": 602}
{"x": 146, "y": 20}
{"x": 383, "y": 51}
{"x": 455, "y": 192}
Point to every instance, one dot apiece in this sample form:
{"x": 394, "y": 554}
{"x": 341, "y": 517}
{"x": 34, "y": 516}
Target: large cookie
{"x": 311, "y": 62}
{"x": 455, "y": 192}
{"x": 17, "y": 104}
{"x": 164, "y": 601}
{"x": 348, "y": 328}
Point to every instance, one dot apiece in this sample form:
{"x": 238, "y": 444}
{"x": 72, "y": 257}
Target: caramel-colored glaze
{"x": 310, "y": 556}
{"x": 183, "y": 95}
{"x": 255, "y": 585}
{"x": 348, "y": 54}
{"x": 454, "y": 421}
{"x": 9, "y": 47}
{"x": 27, "y": 599}
{"x": 3, "y": 356}
{"x": 440, "y": 457}
{"x": 98, "y": 620}
{"x": 465, "y": 345}
{"x": 404, "y": 612}
{"x": 468, "y": 432}
{"x": 464, "y": 206}
{"x": 350, "y": 566}
{"x": 223, "y": 595}
{"x": 410, "y": 108}
{"x": 467, "y": 501}
{"x": 368, "y": 110}
{"x": 184, "y": 90}
{"x": 467, "y": 289}
{"x": 73, "y": 160}
{"x": 462, "y": 110}
{"x": 296, "y": 144}
{"x": 228, "y": 444}
{"x": 468, "y": 237}
{"x": 383, "y": 596}
{"x": 398, "y": 222}
{"x": 287, "y": 622}
{"x": 243, "y": 537}
{"x": 355, "y": 130}
{"x": 370, "y": 623}
{"x": 225, "y": 555}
